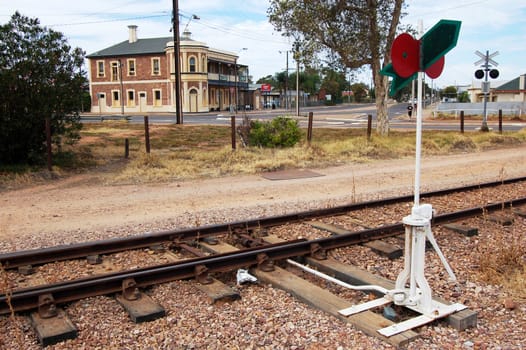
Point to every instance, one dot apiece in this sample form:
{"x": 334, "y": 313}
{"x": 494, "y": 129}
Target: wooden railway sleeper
{"x": 130, "y": 290}
{"x": 94, "y": 259}
{"x": 157, "y": 248}
{"x": 26, "y": 270}
{"x": 211, "y": 240}
{"x": 264, "y": 262}
{"x": 46, "y": 306}
{"x": 195, "y": 251}
{"x": 249, "y": 241}
{"x": 318, "y": 252}
{"x": 201, "y": 275}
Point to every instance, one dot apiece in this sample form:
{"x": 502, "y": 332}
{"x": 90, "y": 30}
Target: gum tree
{"x": 359, "y": 32}
{"x": 40, "y": 77}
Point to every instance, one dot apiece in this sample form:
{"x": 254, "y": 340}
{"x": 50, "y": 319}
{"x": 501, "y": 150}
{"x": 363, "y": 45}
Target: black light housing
{"x": 494, "y": 74}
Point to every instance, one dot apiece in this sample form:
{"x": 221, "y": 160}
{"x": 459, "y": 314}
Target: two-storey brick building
{"x": 138, "y": 76}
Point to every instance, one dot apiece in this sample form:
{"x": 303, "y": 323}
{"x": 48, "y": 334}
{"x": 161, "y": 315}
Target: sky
{"x": 242, "y": 27}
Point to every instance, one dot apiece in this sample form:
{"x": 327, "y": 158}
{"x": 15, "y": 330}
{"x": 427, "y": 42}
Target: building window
{"x": 131, "y": 67}
{"x": 191, "y": 62}
{"x": 100, "y": 69}
{"x": 131, "y": 98}
{"x": 116, "y": 100}
{"x": 157, "y": 98}
{"x": 156, "y": 66}
{"x": 114, "y": 71}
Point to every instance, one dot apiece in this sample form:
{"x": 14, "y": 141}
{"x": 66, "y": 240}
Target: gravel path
{"x": 83, "y": 208}
{"x": 85, "y": 203}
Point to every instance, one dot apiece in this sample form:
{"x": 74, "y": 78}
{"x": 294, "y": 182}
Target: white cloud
{"x": 486, "y": 25}
{"x": 235, "y": 24}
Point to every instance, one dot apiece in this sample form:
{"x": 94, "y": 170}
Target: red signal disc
{"x": 436, "y": 68}
{"x": 405, "y": 55}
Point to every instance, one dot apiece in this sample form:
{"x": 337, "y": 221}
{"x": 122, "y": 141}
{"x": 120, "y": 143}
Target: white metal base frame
{"x": 411, "y": 323}
{"x": 365, "y": 306}
{"x": 421, "y": 320}
{"x": 417, "y": 296}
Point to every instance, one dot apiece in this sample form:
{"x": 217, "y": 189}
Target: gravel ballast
{"x": 265, "y": 317}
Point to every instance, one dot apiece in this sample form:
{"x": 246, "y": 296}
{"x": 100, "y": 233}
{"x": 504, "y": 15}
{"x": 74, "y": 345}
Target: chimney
{"x": 187, "y": 35}
{"x": 132, "y": 36}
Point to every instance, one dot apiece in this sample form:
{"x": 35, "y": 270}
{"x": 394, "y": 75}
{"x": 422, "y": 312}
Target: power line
{"x": 434, "y": 12}
{"x": 238, "y": 33}
{"x": 231, "y": 30}
{"x": 214, "y": 26}
{"x": 107, "y": 20}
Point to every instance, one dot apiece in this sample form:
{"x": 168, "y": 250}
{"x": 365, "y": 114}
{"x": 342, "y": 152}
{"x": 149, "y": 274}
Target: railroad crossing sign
{"x": 410, "y": 56}
{"x": 486, "y": 61}
{"x": 486, "y": 58}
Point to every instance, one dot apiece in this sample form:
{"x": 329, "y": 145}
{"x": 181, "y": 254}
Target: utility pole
{"x": 287, "y": 82}
{"x": 297, "y": 85}
{"x": 177, "y": 87}
{"x": 297, "y": 58}
{"x": 237, "y": 75}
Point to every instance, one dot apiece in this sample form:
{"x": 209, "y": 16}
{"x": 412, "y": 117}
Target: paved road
{"x": 340, "y": 116}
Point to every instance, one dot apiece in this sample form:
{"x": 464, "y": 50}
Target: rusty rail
{"x": 27, "y": 299}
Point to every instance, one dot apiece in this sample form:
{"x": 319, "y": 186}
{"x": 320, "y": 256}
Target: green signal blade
{"x": 438, "y": 41}
{"x": 397, "y": 83}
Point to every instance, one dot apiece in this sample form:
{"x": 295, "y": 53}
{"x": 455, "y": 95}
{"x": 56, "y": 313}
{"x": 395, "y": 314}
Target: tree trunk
{"x": 382, "y": 119}
{"x": 380, "y": 82}
{"x": 380, "y": 88}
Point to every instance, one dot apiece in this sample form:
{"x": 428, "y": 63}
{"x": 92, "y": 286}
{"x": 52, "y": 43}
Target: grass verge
{"x": 186, "y": 151}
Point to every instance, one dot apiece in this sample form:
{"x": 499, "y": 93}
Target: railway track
{"x": 82, "y": 250}
{"x": 264, "y": 255}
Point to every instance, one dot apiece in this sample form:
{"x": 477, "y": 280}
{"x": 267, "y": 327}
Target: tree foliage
{"x": 358, "y": 32}
{"x": 334, "y": 83}
{"x": 359, "y": 91}
{"x": 450, "y": 91}
{"x": 311, "y": 81}
{"x": 463, "y": 97}
{"x": 40, "y": 77}
{"x": 269, "y": 79}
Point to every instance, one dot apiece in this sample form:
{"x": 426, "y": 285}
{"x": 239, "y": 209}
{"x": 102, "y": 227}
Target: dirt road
{"x": 84, "y": 202}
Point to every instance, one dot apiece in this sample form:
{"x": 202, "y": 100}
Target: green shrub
{"x": 279, "y": 132}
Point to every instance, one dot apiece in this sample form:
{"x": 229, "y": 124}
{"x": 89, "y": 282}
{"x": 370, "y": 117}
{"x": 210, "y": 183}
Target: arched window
{"x": 192, "y": 64}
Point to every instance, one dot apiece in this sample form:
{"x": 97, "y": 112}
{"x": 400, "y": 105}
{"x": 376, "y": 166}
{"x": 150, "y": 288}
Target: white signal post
{"x": 411, "y": 287}
{"x": 418, "y": 296}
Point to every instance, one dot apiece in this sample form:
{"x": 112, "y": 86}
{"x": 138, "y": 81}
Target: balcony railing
{"x": 225, "y": 77}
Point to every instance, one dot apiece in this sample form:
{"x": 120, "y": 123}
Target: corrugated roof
{"x": 141, "y": 46}
{"x": 512, "y": 85}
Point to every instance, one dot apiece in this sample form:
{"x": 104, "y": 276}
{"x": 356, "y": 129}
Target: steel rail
{"x": 27, "y": 299}
{"x": 81, "y": 250}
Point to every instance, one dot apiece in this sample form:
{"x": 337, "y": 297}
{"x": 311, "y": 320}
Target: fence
{"x": 514, "y": 109}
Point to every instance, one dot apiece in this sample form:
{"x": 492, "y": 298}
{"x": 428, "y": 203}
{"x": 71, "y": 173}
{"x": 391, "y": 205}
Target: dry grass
{"x": 186, "y": 151}
{"x": 504, "y": 263}
{"x": 492, "y": 116}
{"x": 506, "y": 266}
